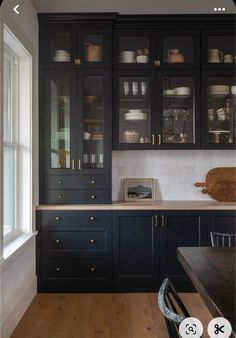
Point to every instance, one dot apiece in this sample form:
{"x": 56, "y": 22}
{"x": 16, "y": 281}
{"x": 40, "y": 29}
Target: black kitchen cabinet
{"x": 135, "y": 248}
{"x": 74, "y": 250}
{"x": 75, "y": 109}
{"x": 178, "y": 53}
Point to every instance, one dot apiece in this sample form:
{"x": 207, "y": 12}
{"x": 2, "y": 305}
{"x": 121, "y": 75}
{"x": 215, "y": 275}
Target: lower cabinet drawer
{"x": 77, "y": 269}
{"x": 77, "y": 182}
{"x": 77, "y": 196}
{"x": 81, "y": 241}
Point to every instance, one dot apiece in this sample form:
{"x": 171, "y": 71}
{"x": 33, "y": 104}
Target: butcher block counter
{"x": 157, "y": 205}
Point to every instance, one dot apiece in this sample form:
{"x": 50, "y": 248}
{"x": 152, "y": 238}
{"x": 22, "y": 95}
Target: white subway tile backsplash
{"x": 175, "y": 171}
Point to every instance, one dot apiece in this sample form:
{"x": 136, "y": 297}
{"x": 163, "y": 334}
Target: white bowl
{"x": 218, "y": 89}
{"x": 233, "y": 90}
{"x": 128, "y": 57}
{"x": 87, "y": 136}
{"x": 142, "y": 59}
{"x": 169, "y": 92}
{"x": 134, "y": 111}
{"x": 183, "y": 91}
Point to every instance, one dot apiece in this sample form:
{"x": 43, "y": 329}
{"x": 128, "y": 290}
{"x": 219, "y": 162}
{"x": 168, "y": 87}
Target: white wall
{"x": 175, "y": 171}
{"x": 135, "y": 6}
{"x": 18, "y": 276}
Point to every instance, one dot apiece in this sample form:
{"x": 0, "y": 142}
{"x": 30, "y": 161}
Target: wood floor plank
{"x": 120, "y": 315}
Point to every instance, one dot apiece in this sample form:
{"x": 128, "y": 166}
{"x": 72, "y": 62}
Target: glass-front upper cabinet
{"x": 60, "y": 123}
{"x": 178, "y": 110}
{"x": 220, "y": 106}
{"x": 134, "y": 106}
{"x": 133, "y": 49}
{"x": 178, "y": 48}
{"x": 219, "y": 49}
{"x": 93, "y": 121}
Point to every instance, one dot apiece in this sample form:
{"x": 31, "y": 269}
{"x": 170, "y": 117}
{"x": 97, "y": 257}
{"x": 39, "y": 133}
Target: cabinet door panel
{"x": 135, "y": 248}
{"x": 179, "y": 231}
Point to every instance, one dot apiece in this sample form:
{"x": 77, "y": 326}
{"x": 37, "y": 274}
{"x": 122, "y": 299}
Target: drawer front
{"x": 85, "y": 241}
{"x": 73, "y": 219}
{"x": 77, "y": 196}
{"x": 77, "y": 182}
{"x": 77, "y": 269}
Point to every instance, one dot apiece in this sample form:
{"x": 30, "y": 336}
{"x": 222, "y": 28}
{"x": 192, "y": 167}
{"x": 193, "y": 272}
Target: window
{"x": 17, "y": 209}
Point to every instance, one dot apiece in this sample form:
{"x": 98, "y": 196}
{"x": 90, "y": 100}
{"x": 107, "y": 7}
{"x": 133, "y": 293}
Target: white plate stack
{"x": 218, "y": 90}
{"x": 135, "y": 114}
{"x": 61, "y": 56}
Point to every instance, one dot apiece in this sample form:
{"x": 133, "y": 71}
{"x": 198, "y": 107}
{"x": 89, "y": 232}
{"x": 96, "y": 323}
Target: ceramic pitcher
{"x": 174, "y": 56}
{"x": 215, "y": 55}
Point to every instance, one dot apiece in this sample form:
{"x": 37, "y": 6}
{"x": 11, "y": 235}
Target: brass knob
{"x": 93, "y": 196}
{"x": 58, "y": 218}
{"x": 92, "y": 241}
{"x": 93, "y": 182}
{"x": 77, "y": 62}
{"x": 92, "y": 218}
{"x": 60, "y": 182}
{"x": 57, "y": 241}
{"x": 157, "y": 63}
{"x": 57, "y": 269}
{"x": 60, "y": 197}
{"x": 92, "y": 269}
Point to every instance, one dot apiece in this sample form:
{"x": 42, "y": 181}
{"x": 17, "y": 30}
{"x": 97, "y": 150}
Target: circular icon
{"x": 219, "y": 328}
{"x": 191, "y": 328}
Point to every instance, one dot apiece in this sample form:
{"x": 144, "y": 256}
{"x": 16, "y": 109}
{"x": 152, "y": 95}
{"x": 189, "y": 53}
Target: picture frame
{"x": 139, "y": 189}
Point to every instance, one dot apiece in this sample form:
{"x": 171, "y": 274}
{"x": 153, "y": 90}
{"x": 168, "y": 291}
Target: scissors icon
{"x": 218, "y": 329}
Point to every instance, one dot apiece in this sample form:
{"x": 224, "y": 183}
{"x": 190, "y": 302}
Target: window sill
{"x": 16, "y": 248}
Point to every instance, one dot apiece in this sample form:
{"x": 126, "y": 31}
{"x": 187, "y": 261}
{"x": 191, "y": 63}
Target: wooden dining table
{"x": 212, "y": 272}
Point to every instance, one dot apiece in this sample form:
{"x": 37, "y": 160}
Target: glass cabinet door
{"x": 178, "y": 120}
{"x": 60, "y": 122}
{"x": 134, "y": 49}
{"x": 60, "y": 48}
{"x": 221, "y": 49}
{"x": 93, "y": 122}
{"x": 221, "y": 109}
{"x": 134, "y": 109}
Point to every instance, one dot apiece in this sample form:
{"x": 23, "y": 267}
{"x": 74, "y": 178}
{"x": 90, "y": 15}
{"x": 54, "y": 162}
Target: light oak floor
{"x": 120, "y": 315}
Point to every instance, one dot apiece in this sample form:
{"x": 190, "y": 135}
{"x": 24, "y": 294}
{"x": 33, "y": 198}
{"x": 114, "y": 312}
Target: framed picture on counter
{"x": 139, "y": 189}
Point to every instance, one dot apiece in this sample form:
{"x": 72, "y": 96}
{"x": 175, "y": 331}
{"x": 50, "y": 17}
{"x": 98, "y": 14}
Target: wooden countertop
{"x": 157, "y": 205}
{"x": 212, "y": 272}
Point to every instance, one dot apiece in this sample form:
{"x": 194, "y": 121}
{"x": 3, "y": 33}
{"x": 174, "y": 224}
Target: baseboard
{"x": 21, "y": 305}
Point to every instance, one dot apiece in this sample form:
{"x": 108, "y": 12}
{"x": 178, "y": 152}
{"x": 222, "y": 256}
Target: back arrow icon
{"x": 15, "y": 9}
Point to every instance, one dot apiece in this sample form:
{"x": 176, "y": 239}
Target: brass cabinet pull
{"x": 58, "y": 218}
{"x": 72, "y": 165}
{"x": 153, "y": 139}
{"x": 57, "y": 269}
{"x": 92, "y": 181}
{"x": 77, "y": 61}
{"x": 162, "y": 221}
{"x": 93, "y": 196}
{"x": 60, "y": 197}
{"x": 60, "y": 182}
{"x": 158, "y": 63}
{"x": 79, "y": 164}
{"x": 57, "y": 241}
{"x": 156, "y": 221}
{"x": 159, "y": 138}
{"x": 92, "y": 269}
{"x": 92, "y": 218}
{"x": 92, "y": 241}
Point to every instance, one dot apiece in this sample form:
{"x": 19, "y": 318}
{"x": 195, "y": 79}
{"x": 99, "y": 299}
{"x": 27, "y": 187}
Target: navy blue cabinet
{"x": 135, "y": 248}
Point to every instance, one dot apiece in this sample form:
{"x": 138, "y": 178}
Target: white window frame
{"x": 22, "y": 137}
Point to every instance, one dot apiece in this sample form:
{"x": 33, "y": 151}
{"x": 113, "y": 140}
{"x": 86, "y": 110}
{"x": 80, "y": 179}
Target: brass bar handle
{"x": 156, "y": 221}
{"x": 79, "y": 164}
{"x": 159, "y": 139}
{"x": 157, "y": 63}
{"x": 77, "y": 61}
{"x": 153, "y": 139}
{"x": 162, "y": 221}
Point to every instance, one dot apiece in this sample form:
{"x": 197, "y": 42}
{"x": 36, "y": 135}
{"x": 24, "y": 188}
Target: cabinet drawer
{"x": 77, "y": 182}
{"x": 78, "y": 196}
{"x": 77, "y": 269}
{"x": 85, "y": 241}
{"x": 70, "y": 220}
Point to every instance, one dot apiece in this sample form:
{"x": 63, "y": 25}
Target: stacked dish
{"x": 179, "y": 91}
{"x": 61, "y": 56}
{"x": 218, "y": 90}
{"x": 135, "y": 115}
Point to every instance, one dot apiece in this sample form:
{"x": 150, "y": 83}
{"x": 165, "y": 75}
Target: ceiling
{"x": 134, "y": 6}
